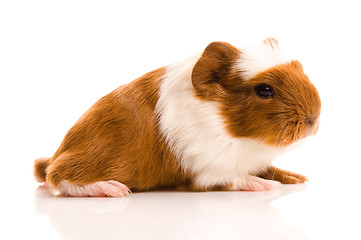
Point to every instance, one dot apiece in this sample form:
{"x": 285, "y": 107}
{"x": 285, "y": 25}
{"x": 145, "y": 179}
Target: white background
{"x": 58, "y": 57}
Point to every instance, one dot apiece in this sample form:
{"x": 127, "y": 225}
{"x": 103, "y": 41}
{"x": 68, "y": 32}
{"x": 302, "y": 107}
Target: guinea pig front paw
{"x": 255, "y": 184}
{"x": 108, "y": 188}
{"x": 283, "y": 176}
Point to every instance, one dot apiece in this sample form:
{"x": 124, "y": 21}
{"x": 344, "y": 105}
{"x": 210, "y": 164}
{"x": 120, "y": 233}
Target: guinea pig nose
{"x": 310, "y": 121}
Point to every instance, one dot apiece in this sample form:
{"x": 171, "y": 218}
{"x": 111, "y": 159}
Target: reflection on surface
{"x": 169, "y": 215}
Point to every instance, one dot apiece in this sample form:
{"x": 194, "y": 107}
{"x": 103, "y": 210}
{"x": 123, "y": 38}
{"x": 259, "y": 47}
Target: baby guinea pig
{"x": 215, "y": 121}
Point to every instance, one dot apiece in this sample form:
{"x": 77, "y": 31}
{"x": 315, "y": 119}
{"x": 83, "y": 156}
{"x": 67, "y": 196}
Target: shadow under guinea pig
{"x": 169, "y": 215}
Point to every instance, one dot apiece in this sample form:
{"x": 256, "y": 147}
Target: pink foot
{"x": 98, "y": 189}
{"x": 256, "y": 184}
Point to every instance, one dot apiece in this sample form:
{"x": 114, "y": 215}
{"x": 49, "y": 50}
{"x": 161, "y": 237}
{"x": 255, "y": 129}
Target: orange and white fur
{"x": 214, "y": 121}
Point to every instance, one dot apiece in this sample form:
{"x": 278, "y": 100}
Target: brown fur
{"x": 40, "y": 166}
{"x": 211, "y": 75}
{"x": 283, "y": 176}
{"x": 118, "y": 139}
{"x": 280, "y": 120}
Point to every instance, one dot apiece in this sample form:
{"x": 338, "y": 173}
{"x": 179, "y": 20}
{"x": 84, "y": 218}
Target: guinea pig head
{"x": 260, "y": 94}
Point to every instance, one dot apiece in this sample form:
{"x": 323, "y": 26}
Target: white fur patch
{"x": 196, "y": 133}
{"x": 258, "y": 58}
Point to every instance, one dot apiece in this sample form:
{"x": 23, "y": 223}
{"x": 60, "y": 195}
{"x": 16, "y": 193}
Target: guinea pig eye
{"x": 264, "y": 90}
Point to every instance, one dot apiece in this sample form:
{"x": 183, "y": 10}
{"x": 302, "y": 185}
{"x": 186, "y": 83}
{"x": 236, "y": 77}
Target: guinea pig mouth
{"x": 295, "y": 131}
{"x": 313, "y": 130}
{"x": 311, "y": 126}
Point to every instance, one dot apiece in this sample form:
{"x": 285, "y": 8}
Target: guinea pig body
{"x": 215, "y": 121}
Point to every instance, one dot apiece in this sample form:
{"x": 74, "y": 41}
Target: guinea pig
{"x": 213, "y": 122}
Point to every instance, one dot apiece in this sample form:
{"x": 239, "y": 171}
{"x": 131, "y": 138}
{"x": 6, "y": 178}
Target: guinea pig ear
{"x": 273, "y": 43}
{"x": 213, "y": 69}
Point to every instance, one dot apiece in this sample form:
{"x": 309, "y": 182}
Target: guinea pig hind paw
{"x": 108, "y": 188}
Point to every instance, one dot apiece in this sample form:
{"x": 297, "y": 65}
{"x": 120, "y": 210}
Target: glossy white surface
{"x": 292, "y": 212}
{"x": 170, "y": 215}
{"x": 58, "y": 57}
